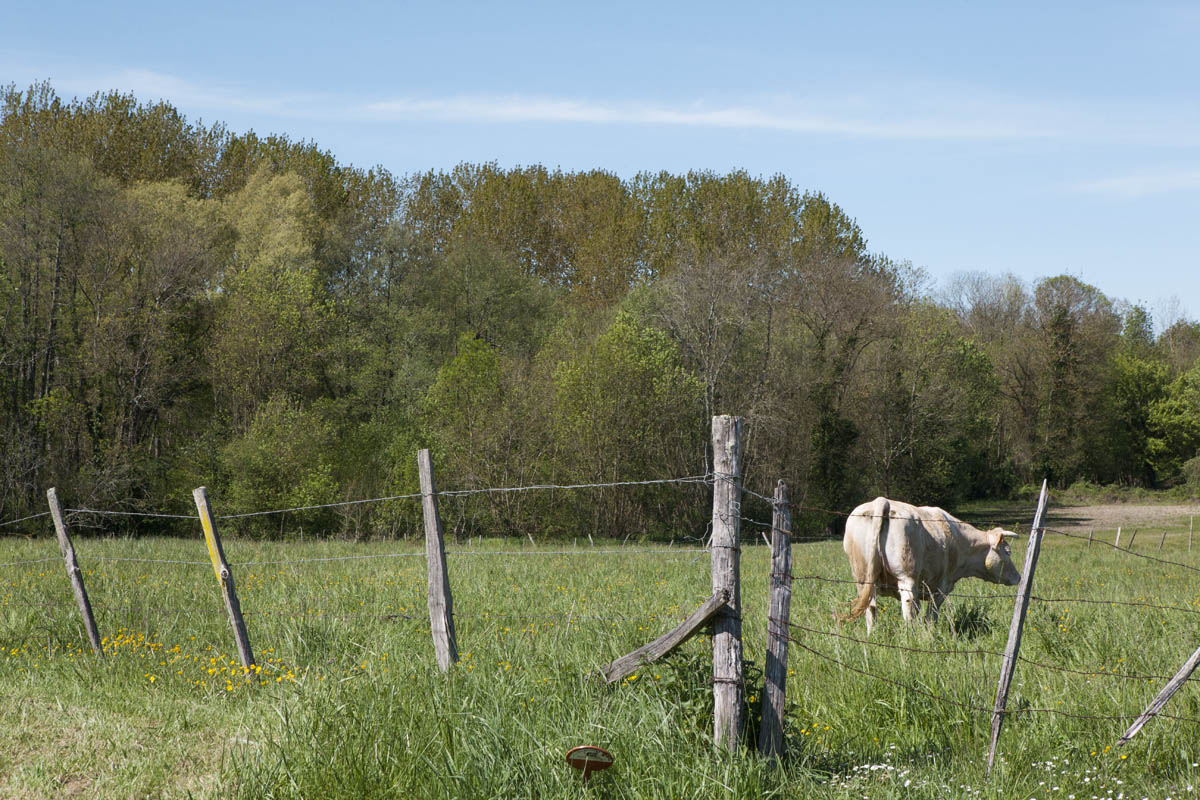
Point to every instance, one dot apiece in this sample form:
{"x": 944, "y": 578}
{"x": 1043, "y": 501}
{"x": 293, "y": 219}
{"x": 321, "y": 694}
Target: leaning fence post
{"x": 1172, "y": 686}
{"x": 224, "y": 575}
{"x": 1117, "y": 543}
{"x": 1161, "y": 540}
{"x": 441, "y": 606}
{"x": 1090, "y": 532}
{"x": 1018, "y": 622}
{"x": 728, "y": 689}
{"x": 1132, "y": 536}
{"x": 73, "y": 572}
{"x": 770, "y": 732}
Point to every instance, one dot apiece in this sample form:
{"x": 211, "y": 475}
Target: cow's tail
{"x": 874, "y": 559}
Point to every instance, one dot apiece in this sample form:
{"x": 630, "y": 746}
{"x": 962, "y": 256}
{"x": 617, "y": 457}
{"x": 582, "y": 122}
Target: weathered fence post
{"x": 224, "y": 575}
{"x": 441, "y": 606}
{"x": 73, "y": 572}
{"x": 770, "y": 732}
{"x": 1132, "y": 536}
{"x": 1090, "y": 532}
{"x": 728, "y": 689}
{"x": 1018, "y": 623}
{"x": 1117, "y": 543}
{"x": 1161, "y": 540}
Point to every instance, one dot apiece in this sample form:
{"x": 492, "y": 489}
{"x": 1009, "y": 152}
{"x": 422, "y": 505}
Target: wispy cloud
{"x": 899, "y": 111}
{"x": 815, "y": 117}
{"x": 1144, "y": 184}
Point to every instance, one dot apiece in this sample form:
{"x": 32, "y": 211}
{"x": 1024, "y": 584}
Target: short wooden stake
{"x": 1018, "y": 624}
{"x": 779, "y": 601}
{"x": 1117, "y": 543}
{"x": 224, "y": 575}
{"x": 1132, "y": 536}
{"x": 441, "y": 605}
{"x": 1090, "y": 532}
{"x": 1161, "y": 540}
{"x": 1172, "y": 686}
{"x": 728, "y": 686}
{"x": 73, "y": 572}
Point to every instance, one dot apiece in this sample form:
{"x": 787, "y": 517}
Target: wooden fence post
{"x": 770, "y": 732}
{"x": 1018, "y": 623}
{"x": 1090, "y": 532}
{"x": 1161, "y": 540}
{"x": 728, "y": 688}
{"x": 73, "y": 572}
{"x": 1117, "y": 543}
{"x": 441, "y": 605}
{"x": 1132, "y": 536}
{"x": 224, "y": 575}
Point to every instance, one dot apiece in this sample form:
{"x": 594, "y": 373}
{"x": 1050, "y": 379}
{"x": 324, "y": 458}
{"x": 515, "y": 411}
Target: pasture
{"x": 349, "y": 703}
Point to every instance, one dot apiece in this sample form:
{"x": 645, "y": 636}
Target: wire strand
{"x": 693, "y": 479}
{"x": 29, "y": 561}
{"x": 24, "y": 519}
{"x": 1130, "y": 552}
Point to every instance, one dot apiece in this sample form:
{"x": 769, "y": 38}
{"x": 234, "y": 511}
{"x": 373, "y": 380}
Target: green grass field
{"x": 348, "y": 701}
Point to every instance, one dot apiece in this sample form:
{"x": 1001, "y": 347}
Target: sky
{"x": 1035, "y": 139}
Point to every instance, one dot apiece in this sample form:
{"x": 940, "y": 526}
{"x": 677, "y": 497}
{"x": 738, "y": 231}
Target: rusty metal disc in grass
{"x": 588, "y": 759}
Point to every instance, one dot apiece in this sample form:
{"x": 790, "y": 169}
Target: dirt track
{"x": 1111, "y": 515}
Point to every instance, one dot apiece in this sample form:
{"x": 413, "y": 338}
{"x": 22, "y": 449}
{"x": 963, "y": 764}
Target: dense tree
{"x": 182, "y": 305}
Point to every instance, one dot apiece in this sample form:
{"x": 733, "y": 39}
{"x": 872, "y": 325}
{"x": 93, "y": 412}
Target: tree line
{"x": 182, "y": 305}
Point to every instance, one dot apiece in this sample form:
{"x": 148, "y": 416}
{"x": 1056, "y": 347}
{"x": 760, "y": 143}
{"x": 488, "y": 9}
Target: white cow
{"x": 918, "y": 553}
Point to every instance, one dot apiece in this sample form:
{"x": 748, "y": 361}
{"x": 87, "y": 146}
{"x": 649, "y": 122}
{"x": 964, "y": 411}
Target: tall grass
{"x": 348, "y": 701}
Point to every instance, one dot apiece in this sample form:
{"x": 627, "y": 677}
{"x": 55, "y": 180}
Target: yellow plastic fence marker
{"x": 211, "y": 541}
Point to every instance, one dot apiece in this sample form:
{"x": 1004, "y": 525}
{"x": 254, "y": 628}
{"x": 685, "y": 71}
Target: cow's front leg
{"x": 909, "y": 605}
{"x": 936, "y": 598}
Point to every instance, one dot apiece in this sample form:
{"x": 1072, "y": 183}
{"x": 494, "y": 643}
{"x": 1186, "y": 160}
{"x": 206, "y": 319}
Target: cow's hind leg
{"x": 870, "y": 615}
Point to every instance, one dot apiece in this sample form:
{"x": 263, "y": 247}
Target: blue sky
{"x": 1032, "y": 139}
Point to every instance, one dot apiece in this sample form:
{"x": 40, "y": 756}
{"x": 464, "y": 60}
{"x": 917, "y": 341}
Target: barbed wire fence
{"x": 572, "y": 618}
{"x": 762, "y": 529}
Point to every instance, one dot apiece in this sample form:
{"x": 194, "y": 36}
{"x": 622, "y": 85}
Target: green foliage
{"x": 1137, "y": 386}
{"x": 626, "y": 409}
{"x": 1173, "y": 423}
{"x": 270, "y": 313}
{"x": 626, "y": 406}
{"x": 932, "y": 413}
{"x": 463, "y": 406}
{"x": 282, "y": 461}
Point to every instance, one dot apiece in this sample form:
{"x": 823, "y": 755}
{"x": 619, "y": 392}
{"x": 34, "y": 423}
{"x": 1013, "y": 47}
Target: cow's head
{"x": 998, "y": 563}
